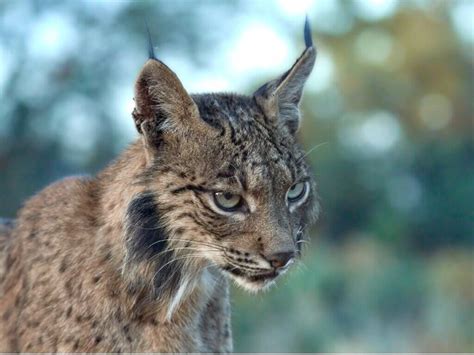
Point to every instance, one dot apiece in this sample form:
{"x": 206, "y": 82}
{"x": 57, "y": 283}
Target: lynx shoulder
{"x": 138, "y": 258}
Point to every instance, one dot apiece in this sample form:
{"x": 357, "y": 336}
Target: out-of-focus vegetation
{"x": 389, "y": 110}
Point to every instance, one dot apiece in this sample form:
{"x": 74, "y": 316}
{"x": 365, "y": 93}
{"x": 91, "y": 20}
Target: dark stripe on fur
{"x": 147, "y": 241}
{"x": 214, "y": 214}
{"x": 195, "y": 188}
{"x": 145, "y": 234}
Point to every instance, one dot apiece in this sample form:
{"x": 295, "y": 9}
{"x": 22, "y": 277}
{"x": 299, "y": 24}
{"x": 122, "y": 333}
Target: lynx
{"x": 139, "y": 257}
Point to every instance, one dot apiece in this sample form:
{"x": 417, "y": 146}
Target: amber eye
{"x": 227, "y": 201}
{"x": 297, "y": 192}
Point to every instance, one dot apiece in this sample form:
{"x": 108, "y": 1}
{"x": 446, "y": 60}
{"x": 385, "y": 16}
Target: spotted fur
{"x": 138, "y": 258}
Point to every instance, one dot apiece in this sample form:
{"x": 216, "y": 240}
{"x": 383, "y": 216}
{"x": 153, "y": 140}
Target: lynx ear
{"x": 280, "y": 98}
{"x": 161, "y": 102}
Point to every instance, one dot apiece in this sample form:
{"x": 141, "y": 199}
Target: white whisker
{"x": 312, "y": 150}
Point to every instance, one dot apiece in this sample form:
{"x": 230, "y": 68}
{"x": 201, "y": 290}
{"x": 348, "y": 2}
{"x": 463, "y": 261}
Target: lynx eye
{"x": 297, "y": 192}
{"x": 227, "y": 201}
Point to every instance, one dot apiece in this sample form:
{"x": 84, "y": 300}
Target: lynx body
{"x": 138, "y": 258}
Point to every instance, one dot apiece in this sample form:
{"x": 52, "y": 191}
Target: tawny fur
{"x": 64, "y": 290}
{"x": 137, "y": 258}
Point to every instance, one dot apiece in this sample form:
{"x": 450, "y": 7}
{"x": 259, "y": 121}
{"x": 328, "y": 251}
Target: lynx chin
{"x": 139, "y": 257}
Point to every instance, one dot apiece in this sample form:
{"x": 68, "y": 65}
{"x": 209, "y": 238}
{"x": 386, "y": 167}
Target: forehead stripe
{"x": 195, "y": 188}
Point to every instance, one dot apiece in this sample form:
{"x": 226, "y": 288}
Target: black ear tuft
{"x": 308, "y": 40}
{"x": 280, "y": 98}
{"x": 151, "y": 50}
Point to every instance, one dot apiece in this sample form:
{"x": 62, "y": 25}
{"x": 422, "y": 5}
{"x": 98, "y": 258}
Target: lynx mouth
{"x": 252, "y": 281}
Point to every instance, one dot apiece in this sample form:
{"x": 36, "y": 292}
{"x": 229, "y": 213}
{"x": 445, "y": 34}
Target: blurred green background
{"x": 389, "y": 108}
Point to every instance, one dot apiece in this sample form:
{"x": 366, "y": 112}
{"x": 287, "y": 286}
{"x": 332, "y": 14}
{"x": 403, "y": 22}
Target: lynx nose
{"x": 281, "y": 259}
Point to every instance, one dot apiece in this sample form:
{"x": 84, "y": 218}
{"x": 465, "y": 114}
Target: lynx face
{"x": 228, "y": 183}
{"x": 245, "y": 194}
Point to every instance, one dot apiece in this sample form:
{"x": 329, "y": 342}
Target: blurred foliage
{"x": 390, "y": 137}
{"x": 362, "y": 297}
{"x": 420, "y": 192}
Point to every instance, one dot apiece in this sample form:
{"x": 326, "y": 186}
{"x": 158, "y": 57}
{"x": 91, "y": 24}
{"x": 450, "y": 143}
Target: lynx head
{"x": 226, "y": 184}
